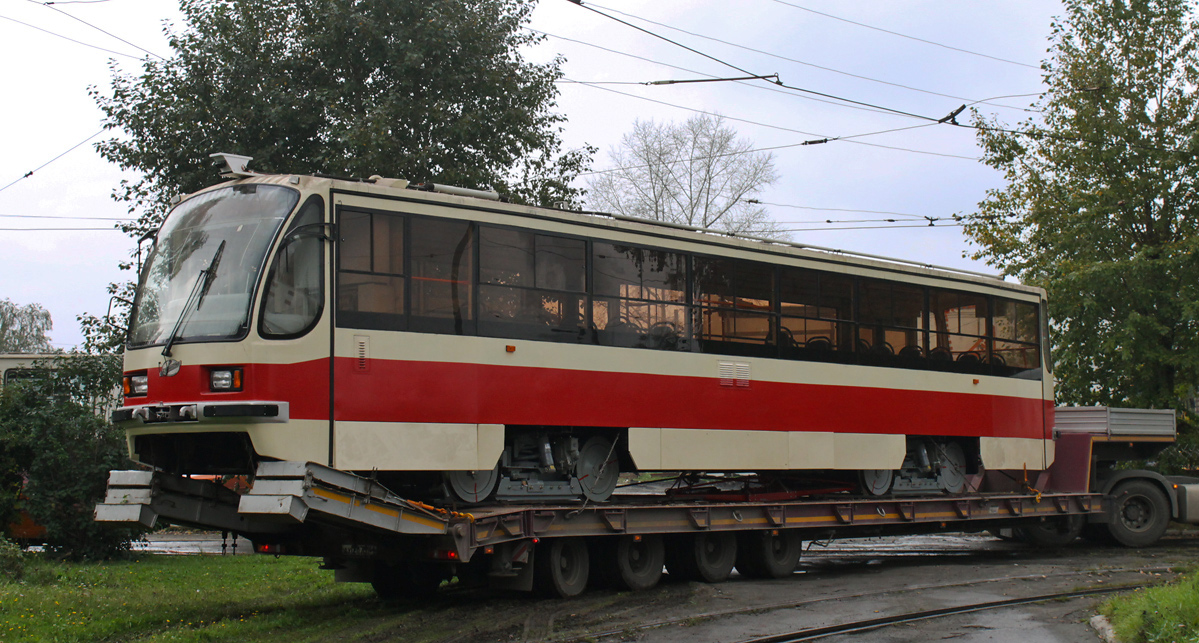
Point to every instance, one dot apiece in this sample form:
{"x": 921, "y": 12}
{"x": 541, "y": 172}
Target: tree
{"x": 697, "y": 173}
{"x": 428, "y": 91}
{"x": 1100, "y": 206}
{"x": 23, "y": 328}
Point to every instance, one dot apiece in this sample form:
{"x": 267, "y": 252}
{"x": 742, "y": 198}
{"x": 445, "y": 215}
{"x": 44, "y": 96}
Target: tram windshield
{"x": 211, "y": 250}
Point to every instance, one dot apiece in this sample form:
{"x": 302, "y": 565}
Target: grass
{"x": 182, "y": 599}
{"x": 1158, "y": 614}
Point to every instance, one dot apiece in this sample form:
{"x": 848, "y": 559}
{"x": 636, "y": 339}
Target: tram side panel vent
{"x": 362, "y": 350}
{"x": 733, "y": 374}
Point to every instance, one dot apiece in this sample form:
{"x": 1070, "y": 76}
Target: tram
{"x": 456, "y": 346}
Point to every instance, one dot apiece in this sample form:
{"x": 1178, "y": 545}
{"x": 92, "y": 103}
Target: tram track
{"x": 863, "y": 625}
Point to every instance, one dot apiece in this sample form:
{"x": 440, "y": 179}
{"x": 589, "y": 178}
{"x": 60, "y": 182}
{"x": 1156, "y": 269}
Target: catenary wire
{"x": 876, "y": 227}
{"x": 53, "y": 216}
{"x": 700, "y": 73}
{"x": 824, "y": 139}
{"x": 805, "y": 63}
{"x": 78, "y": 42}
{"x": 30, "y": 172}
{"x": 49, "y": 5}
{"x": 58, "y": 229}
{"x": 898, "y": 112}
{"x": 896, "y": 33}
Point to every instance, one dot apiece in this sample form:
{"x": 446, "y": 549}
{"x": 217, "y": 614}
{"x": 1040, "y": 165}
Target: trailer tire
{"x": 406, "y": 580}
{"x": 1141, "y": 513}
{"x": 768, "y": 553}
{"x": 561, "y": 567}
{"x": 629, "y": 562}
{"x": 707, "y": 557}
{"x": 1053, "y": 532}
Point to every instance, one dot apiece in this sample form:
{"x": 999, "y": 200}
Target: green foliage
{"x": 428, "y": 91}
{"x": 23, "y": 328}
{"x": 12, "y": 560}
{"x": 56, "y": 448}
{"x": 1164, "y": 613}
{"x": 1101, "y": 207}
{"x": 182, "y": 598}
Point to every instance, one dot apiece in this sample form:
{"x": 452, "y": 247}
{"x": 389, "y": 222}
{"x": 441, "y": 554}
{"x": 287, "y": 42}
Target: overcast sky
{"x": 812, "y": 44}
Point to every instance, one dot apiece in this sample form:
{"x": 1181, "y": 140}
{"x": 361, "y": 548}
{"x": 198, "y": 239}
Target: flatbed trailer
{"x": 365, "y": 533}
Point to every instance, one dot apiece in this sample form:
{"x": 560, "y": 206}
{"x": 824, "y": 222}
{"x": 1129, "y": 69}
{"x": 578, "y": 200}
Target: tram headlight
{"x": 136, "y": 384}
{"x": 225, "y": 379}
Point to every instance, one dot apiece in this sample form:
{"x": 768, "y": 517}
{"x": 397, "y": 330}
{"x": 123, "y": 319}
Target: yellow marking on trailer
{"x": 386, "y": 511}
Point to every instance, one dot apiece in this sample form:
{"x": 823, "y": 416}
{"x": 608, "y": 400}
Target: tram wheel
{"x": 406, "y": 580}
{"x": 472, "y": 486}
{"x": 1052, "y": 533}
{"x": 877, "y": 482}
{"x": 560, "y": 567}
{"x": 1142, "y": 513}
{"x": 707, "y": 557}
{"x": 768, "y": 554}
{"x": 952, "y": 476}
{"x": 598, "y": 469}
{"x": 629, "y": 562}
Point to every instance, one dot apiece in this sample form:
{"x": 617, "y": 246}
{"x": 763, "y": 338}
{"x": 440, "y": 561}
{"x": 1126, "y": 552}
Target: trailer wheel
{"x": 560, "y": 567}
{"x": 1141, "y": 513}
{"x": 1052, "y": 533}
{"x": 630, "y": 562}
{"x": 406, "y": 580}
{"x": 707, "y": 557}
{"x": 768, "y": 554}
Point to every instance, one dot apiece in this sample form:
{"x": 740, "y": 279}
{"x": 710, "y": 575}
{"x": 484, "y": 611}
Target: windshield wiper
{"x": 196, "y": 297}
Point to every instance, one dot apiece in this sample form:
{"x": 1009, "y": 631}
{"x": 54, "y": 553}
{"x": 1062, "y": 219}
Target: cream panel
{"x": 300, "y": 440}
{"x": 868, "y": 451}
{"x": 1015, "y": 453}
{"x": 491, "y": 446}
{"x": 645, "y": 446}
{"x": 810, "y": 450}
{"x": 402, "y": 446}
{"x": 490, "y": 351}
{"x": 704, "y": 449}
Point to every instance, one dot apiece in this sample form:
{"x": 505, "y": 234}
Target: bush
{"x": 12, "y": 560}
{"x": 56, "y": 449}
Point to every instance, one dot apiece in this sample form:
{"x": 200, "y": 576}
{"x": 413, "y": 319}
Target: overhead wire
{"x": 70, "y": 149}
{"x": 49, "y": 5}
{"x": 898, "y": 112}
{"x": 822, "y": 139}
{"x": 805, "y": 63}
{"x": 53, "y": 216}
{"x": 901, "y": 35}
{"x": 58, "y": 229}
{"x": 78, "y": 42}
{"x": 768, "y": 88}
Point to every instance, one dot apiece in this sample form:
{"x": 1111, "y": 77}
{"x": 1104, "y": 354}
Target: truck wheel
{"x": 634, "y": 563}
{"x": 707, "y": 557}
{"x": 406, "y": 580}
{"x": 1052, "y": 533}
{"x": 560, "y": 567}
{"x": 768, "y": 554}
{"x": 1141, "y": 513}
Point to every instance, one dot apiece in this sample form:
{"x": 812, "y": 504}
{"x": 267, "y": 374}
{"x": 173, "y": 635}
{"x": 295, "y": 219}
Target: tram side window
{"x": 295, "y": 292}
{"x": 891, "y": 322}
{"x": 640, "y": 297}
{"x": 735, "y": 301}
{"x": 370, "y": 278}
{"x": 816, "y": 313}
{"x": 960, "y": 325}
{"x": 442, "y": 275}
{"x": 1017, "y": 346}
{"x": 531, "y": 286}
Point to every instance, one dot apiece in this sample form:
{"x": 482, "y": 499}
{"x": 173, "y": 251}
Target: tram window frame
{"x": 831, "y": 315}
{"x": 460, "y": 319}
{"x": 638, "y": 312}
{"x": 532, "y": 319}
{"x": 396, "y": 318}
{"x": 313, "y": 207}
{"x": 880, "y": 326}
{"x": 733, "y": 304}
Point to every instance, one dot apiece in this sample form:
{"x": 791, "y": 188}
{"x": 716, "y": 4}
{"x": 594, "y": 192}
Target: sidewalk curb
{"x": 1103, "y": 628}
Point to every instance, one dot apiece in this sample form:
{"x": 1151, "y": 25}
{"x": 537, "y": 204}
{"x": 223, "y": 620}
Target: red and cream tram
{"x": 447, "y": 342}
